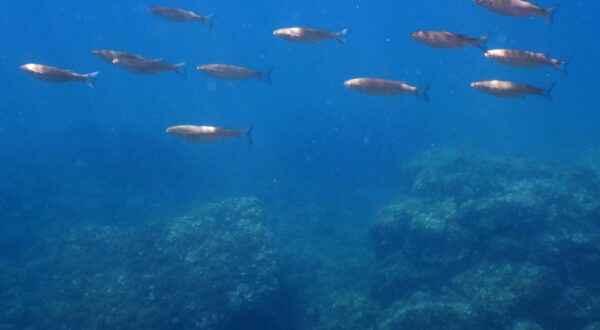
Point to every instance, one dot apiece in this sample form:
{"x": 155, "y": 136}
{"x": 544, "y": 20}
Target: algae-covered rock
{"x": 507, "y": 233}
{"x": 515, "y": 290}
{"x": 228, "y": 253}
{"x": 580, "y": 304}
{"x": 204, "y": 270}
{"x": 460, "y": 175}
{"x": 349, "y": 310}
{"x": 526, "y": 325}
{"x": 416, "y": 223}
{"x": 422, "y": 311}
{"x": 419, "y": 243}
{"x": 593, "y": 326}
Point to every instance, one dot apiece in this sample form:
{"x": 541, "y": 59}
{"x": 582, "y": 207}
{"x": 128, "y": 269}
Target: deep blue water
{"x": 70, "y": 155}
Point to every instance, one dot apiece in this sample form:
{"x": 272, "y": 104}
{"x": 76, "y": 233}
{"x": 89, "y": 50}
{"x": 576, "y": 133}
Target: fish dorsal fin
{"x": 160, "y": 59}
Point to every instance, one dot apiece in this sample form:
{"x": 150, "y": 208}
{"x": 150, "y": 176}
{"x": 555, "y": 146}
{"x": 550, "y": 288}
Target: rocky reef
{"x": 476, "y": 241}
{"x": 471, "y": 241}
{"x": 208, "y": 269}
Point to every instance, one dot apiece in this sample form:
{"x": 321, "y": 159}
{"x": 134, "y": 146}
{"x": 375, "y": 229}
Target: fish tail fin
{"x": 208, "y": 21}
{"x": 481, "y": 42}
{"x": 90, "y": 79}
{"x": 547, "y": 92}
{"x": 562, "y": 64}
{"x": 180, "y": 68}
{"x": 549, "y": 14}
{"x": 247, "y": 134}
{"x": 265, "y": 76}
{"x": 421, "y": 92}
{"x": 341, "y": 37}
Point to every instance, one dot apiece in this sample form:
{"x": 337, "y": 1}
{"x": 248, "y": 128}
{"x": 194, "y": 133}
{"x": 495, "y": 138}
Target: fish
{"x": 308, "y": 35}
{"x": 518, "y": 8}
{"x": 383, "y": 87}
{"x": 443, "y": 39}
{"x": 511, "y": 89}
{"x": 204, "y": 134}
{"x": 109, "y": 55}
{"x": 140, "y": 65}
{"x": 181, "y": 16}
{"x": 526, "y": 59}
{"x": 232, "y": 72}
{"x": 58, "y": 76}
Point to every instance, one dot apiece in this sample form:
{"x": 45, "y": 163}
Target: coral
{"x": 203, "y": 271}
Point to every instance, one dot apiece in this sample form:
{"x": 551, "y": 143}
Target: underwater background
{"x": 347, "y": 211}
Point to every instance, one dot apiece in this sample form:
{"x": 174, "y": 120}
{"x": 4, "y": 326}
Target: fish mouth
{"x": 474, "y": 85}
{"x": 487, "y": 54}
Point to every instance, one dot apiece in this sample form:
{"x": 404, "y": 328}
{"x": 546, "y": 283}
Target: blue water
{"x": 71, "y": 156}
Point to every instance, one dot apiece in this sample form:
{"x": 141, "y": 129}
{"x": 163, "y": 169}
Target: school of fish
{"x": 369, "y": 86}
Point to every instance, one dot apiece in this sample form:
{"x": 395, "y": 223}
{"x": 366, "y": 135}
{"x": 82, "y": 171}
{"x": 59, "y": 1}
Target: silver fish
{"x": 526, "y": 59}
{"x": 181, "y": 16}
{"x": 109, "y": 55}
{"x": 308, "y": 35}
{"x": 140, "y": 65}
{"x": 518, "y": 8}
{"x": 58, "y": 76}
{"x": 443, "y": 39}
{"x": 232, "y": 72}
{"x": 511, "y": 89}
{"x": 383, "y": 87}
{"x": 204, "y": 134}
